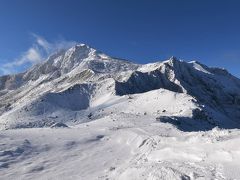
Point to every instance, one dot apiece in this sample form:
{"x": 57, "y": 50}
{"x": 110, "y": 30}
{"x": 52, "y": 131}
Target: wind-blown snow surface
{"x": 84, "y": 115}
{"x": 119, "y": 147}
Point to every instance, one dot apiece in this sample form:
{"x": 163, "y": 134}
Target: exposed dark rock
{"x": 142, "y": 82}
{"x": 199, "y": 114}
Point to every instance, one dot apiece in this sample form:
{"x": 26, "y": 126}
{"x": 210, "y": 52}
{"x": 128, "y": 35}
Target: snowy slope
{"x": 119, "y": 147}
{"x": 82, "y": 114}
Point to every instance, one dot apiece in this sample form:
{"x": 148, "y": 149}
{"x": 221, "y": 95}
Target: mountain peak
{"x": 80, "y": 46}
{"x": 173, "y": 58}
{"x": 88, "y": 69}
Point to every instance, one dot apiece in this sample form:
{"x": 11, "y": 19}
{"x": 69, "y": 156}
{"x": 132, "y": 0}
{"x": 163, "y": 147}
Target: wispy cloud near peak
{"x": 39, "y": 50}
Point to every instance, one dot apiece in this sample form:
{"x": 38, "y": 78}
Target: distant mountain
{"x": 82, "y": 84}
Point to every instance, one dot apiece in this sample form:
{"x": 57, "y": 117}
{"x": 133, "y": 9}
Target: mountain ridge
{"x": 24, "y": 96}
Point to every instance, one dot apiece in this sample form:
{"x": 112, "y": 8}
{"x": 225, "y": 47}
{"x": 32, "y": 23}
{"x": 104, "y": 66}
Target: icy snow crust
{"x": 82, "y": 114}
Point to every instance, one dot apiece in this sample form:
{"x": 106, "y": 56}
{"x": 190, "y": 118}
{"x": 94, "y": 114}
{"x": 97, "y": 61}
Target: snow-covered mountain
{"x": 78, "y": 80}
{"x": 148, "y": 118}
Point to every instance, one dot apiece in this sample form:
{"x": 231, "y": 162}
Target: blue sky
{"x": 139, "y": 30}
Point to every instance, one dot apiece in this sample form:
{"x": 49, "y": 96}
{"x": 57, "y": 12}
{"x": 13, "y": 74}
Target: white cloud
{"x": 31, "y": 56}
{"x": 39, "y": 50}
{"x": 42, "y": 42}
{"x": 53, "y": 46}
{"x": 4, "y": 71}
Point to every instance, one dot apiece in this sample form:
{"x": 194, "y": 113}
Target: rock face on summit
{"x": 72, "y": 83}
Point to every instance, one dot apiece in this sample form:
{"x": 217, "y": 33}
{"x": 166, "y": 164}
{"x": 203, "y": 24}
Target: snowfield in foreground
{"x": 82, "y": 114}
{"x": 119, "y": 148}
